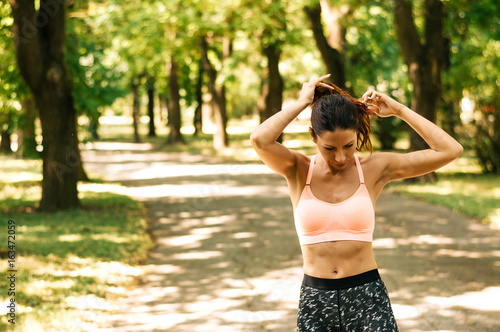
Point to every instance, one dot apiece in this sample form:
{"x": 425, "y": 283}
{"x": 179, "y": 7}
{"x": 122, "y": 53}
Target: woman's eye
{"x": 349, "y": 146}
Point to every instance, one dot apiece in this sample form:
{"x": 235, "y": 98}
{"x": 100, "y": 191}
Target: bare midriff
{"x": 338, "y": 259}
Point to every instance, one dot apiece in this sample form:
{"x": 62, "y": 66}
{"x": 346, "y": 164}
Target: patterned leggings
{"x": 352, "y": 304}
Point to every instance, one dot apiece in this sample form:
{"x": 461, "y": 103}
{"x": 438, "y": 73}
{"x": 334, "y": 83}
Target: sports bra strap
{"x": 310, "y": 172}
{"x": 360, "y": 170}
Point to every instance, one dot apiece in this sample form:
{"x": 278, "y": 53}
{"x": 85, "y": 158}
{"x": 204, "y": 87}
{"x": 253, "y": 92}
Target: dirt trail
{"x": 228, "y": 259}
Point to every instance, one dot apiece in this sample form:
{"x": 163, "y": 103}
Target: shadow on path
{"x": 228, "y": 259}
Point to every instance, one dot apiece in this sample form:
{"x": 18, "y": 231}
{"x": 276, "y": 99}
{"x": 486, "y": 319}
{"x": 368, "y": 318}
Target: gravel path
{"x": 228, "y": 259}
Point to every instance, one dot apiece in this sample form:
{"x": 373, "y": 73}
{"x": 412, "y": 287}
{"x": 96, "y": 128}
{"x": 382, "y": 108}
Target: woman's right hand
{"x": 307, "y": 93}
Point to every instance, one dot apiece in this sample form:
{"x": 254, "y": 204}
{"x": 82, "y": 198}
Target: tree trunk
{"x": 136, "y": 113}
{"x": 198, "y": 117}
{"x": 218, "y": 100}
{"x": 162, "y": 100}
{"x": 425, "y": 62}
{"x": 272, "y": 91}
{"x": 331, "y": 49}
{"x": 174, "y": 108}
{"x": 40, "y": 50}
{"x": 151, "y": 107}
{"x": 5, "y": 135}
{"x": 6, "y": 142}
{"x": 94, "y": 126}
{"x": 496, "y": 140}
{"x": 26, "y": 136}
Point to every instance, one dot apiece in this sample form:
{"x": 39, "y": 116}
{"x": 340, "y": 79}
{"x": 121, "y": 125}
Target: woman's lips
{"x": 339, "y": 165}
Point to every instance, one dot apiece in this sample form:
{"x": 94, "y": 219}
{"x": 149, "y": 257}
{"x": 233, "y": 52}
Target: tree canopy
{"x": 112, "y": 46}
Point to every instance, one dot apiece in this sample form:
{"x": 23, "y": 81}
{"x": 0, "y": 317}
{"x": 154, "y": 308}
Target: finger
{"x": 369, "y": 91}
{"x": 326, "y": 86}
{"x": 322, "y": 78}
{"x": 373, "y": 95}
{"x": 367, "y": 96}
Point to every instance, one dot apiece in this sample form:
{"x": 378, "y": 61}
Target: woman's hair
{"x": 335, "y": 109}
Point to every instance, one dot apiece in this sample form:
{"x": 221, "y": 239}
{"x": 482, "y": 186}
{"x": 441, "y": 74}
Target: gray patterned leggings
{"x": 352, "y": 304}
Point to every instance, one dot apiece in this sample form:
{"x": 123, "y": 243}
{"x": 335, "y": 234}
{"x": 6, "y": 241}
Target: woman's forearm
{"x": 269, "y": 131}
{"x": 437, "y": 139}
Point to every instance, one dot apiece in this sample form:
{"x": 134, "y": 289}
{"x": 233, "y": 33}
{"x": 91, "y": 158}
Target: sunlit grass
{"x": 19, "y": 170}
{"x": 72, "y": 266}
{"x": 472, "y": 194}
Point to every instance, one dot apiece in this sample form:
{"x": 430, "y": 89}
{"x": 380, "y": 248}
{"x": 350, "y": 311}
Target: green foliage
{"x": 97, "y": 78}
{"x": 111, "y": 43}
{"x": 373, "y": 60}
{"x": 12, "y": 88}
{"x": 473, "y": 29}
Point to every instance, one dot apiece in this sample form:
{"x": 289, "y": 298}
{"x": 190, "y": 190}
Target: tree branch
{"x": 332, "y": 58}
{"x": 26, "y": 37}
{"x": 53, "y": 24}
{"x": 434, "y": 40}
{"x": 407, "y": 33}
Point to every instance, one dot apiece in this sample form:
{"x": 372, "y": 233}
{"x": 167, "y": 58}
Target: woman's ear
{"x": 313, "y": 136}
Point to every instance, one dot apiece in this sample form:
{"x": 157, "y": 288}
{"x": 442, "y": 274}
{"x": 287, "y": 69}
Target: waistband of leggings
{"x": 341, "y": 283}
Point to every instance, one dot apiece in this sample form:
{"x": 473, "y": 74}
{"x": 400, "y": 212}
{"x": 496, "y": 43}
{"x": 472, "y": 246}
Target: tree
{"x": 140, "y": 35}
{"x": 472, "y": 80}
{"x": 272, "y": 43}
{"x": 96, "y": 72}
{"x": 40, "y": 49}
{"x": 198, "y": 118}
{"x": 425, "y": 60}
{"x": 150, "y": 86}
{"x": 136, "y": 107}
{"x": 174, "y": 108}
{"x": 270, "y": 28}
{"x": 332, "y": 48}
{"x": 218, "y": 93}
{"x": 26, "y": 134}
{"x": 13, "y": 92}
{"x": 373, "y": 59}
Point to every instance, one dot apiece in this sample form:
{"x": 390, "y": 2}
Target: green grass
{"x": 72, "y": 266}
{"x": 461, "y": 188}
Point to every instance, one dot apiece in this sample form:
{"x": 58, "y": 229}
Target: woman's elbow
{"x": 255, "y": 140}
{"x": 456, "y": 151}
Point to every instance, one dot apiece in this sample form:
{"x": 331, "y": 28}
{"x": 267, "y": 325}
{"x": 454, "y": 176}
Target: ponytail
{"x": 336, "y": 109}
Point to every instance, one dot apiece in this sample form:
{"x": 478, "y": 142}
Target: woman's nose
{"x": 340, "y": 157}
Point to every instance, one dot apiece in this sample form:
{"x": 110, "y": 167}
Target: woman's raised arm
{"x": 275, "y": 155}
{"x": 443, "y": 148}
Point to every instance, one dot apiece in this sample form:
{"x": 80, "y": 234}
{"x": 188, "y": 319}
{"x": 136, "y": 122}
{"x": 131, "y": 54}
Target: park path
{"x": 227, "y": 257}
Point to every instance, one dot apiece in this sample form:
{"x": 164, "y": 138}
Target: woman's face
{"x": 337, "y": 147}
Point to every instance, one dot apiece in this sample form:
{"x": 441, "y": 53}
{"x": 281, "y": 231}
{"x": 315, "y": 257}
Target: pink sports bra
{"x": 319, "y": 221}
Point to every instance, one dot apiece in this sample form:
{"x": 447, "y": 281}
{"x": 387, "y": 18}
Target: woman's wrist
{"x": 302, "y": 103}
{"x": 402, "y": 112}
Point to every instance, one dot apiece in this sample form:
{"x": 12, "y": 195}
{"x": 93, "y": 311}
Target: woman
{"x": 333, "y": 195}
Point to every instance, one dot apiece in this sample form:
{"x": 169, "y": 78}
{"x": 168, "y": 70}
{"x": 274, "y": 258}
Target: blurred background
{"x": 197, "y": 76}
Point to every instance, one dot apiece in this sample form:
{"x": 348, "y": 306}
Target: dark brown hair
{"x": 335, "y": 109}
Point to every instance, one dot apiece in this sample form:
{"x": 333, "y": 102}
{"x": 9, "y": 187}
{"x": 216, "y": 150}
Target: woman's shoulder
{"x": 377, "y": 158}
{"x": 303, "y": 161}
{"x": 376, "y": 162}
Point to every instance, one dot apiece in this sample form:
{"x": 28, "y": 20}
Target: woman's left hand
{"x": 383, "y": 104}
